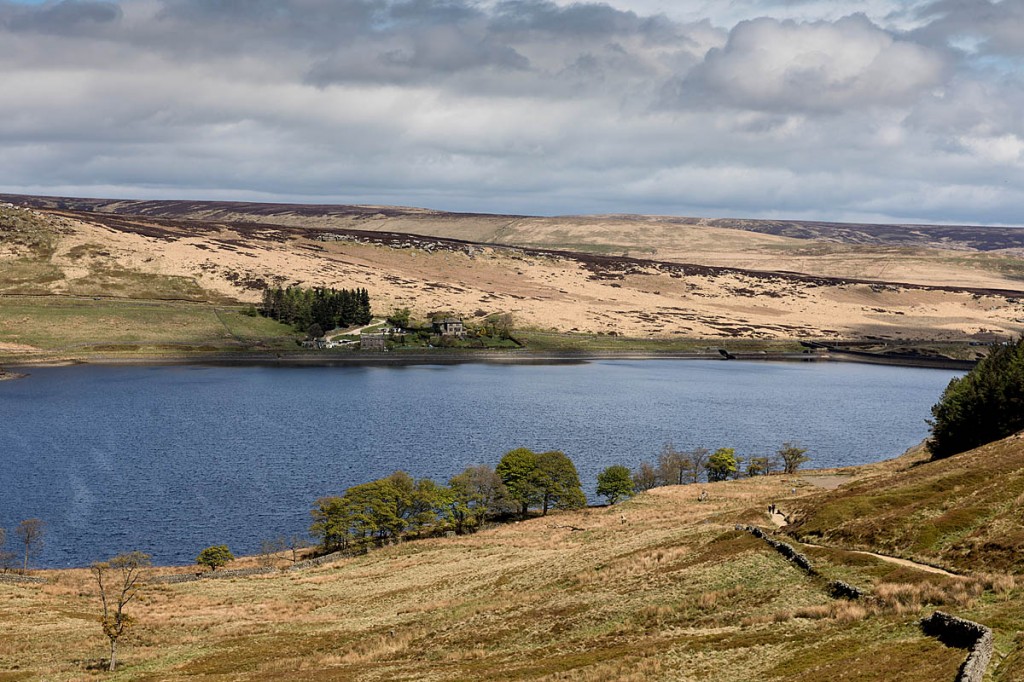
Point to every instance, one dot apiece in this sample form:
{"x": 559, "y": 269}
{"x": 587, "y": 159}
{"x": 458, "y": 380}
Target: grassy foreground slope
{"x": 658, "y": 588}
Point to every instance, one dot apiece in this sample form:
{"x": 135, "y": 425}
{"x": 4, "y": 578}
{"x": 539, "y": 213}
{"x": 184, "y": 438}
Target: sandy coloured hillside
{"x": 542, "y": 289}
{"x": 968, "y": 256}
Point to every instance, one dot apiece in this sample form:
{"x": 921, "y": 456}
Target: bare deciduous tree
{"x": 30, "y": 532}
{"x": 698, "y": 460}
{"x": 7, "y": 559}
{"x": 645, "y": 477}
{"x": 673, "y": 466}
{"x": 118, "y": 580}
{"x": 296, "y": 543}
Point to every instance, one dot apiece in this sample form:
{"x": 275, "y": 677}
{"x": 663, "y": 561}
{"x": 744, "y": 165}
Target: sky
{"x": 849, "y": 110}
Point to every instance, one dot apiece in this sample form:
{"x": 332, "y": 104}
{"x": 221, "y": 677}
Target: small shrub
{"x": 215, "y": 557}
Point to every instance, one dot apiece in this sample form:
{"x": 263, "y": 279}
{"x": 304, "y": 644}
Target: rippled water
{"x": 172, "y": 459}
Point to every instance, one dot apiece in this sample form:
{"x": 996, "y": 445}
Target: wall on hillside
{"x": 965, "y": 634}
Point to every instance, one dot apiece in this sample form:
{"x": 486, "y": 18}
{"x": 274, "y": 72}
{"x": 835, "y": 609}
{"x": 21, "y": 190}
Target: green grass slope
{"x": 964, "y": 512}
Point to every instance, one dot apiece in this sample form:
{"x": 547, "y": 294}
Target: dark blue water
{"x": 169, "y": 460}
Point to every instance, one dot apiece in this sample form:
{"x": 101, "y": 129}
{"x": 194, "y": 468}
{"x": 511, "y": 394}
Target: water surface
{"x": 169, "y": 460}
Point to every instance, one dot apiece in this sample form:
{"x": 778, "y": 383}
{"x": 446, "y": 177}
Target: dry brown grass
{"x": 961, "y": 512}
{"x": 673, "y": 594}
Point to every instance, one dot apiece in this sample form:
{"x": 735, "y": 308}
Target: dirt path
{"x": 349, "y": 332}
{"x": 778, "y": 517}
{"x": 781, "y": 519}
{"x": 891, "y": 559}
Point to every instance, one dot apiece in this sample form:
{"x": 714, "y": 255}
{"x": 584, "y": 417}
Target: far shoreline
{"x": 469, "y": 357}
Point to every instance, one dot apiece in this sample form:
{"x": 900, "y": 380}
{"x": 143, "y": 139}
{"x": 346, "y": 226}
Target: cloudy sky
{"x": 906, "y": 110}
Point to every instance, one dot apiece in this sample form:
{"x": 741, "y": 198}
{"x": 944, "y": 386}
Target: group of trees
{"x": 381, "y": 510}
{"x": 400, "y": 505}
{"x": 984, "y": 405}
{"x": 546, "y": 479}
{"x": 325, "y": 308}
{"x": 30, "y": 534}
{"x": 677, "y": 467}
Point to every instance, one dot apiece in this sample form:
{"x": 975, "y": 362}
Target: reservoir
{"x": 169, "y": 460}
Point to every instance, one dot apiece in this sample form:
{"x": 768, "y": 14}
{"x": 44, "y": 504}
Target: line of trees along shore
{"x": 679, "y": 467}
{"x": 326, "y": 308}
{"x": 400, "y": 505}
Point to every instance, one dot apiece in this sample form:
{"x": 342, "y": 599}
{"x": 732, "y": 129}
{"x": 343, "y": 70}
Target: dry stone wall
{"x": 14, "y": 578}
{"x": 320, "y": 560}
{"x": 782, "y": 548}
{"x": 837, "y": 589}
{"x": 246, "y": 572}
{"x": 966, "y": 634}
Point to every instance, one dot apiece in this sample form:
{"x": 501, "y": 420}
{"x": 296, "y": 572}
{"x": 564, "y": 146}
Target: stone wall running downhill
{"x": 836, "y": 589}
{"x": 964, "y": 634}
{"x": 782, "y": 548}
{"x": 950, "y": 630}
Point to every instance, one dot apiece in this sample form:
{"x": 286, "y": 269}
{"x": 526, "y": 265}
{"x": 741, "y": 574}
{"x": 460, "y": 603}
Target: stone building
{"x": 373, "y": 342}
{"x": 449, "y": 326}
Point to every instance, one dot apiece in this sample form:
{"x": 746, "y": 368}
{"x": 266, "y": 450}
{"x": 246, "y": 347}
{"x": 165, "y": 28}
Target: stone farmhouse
{"x": 449, "y": 326}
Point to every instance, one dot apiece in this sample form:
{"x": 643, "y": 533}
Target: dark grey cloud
{"x": 589, "y": 20}
{"x": 977, "y": 26}
{"x": 65, "y": 17}
{"x": 314, "y": 23}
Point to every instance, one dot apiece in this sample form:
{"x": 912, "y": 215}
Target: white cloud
{"x": 849, "y": 63}
{"x": 997, "y": 150}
